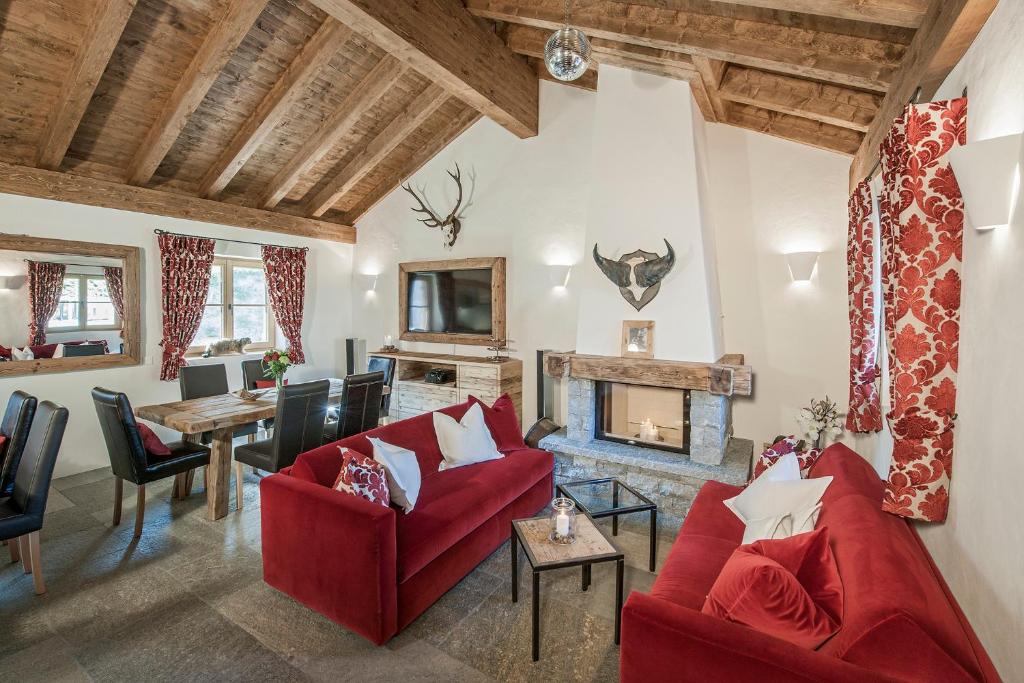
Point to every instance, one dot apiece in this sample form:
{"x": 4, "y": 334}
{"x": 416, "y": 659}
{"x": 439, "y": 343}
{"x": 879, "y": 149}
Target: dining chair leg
{"x": 189, "y": 479}
{"x": 37, "y": 562}
{"x": 140, "y": 510}
{"x": 118, "y": 497}
{"x": 12, "y": 545}
{"x": 206, "y": 477}
{"x": 26, "y": 556}
{"x": 239, "y": 474}
{"x": 252, "y": 438}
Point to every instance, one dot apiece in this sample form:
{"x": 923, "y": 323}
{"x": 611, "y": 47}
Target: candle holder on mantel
{"x": 563, "y": 521}
{"x": 389, "y": 344}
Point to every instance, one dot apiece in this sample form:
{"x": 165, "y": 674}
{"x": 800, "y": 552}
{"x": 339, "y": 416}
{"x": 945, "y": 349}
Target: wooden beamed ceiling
{"x": 298, "y": 116}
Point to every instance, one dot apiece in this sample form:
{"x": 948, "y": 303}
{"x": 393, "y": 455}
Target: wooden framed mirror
{"x": 85, "y": 298}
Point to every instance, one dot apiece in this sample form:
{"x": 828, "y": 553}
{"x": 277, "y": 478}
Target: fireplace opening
{"x": 651, "y": 417}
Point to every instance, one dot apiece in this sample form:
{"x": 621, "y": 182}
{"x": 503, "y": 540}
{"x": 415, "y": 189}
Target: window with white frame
{"x": 84, "y": 305}
{"x": 237, "y": 305}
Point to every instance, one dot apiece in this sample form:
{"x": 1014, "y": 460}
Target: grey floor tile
{"x": 63, "y": 483}
{"x": 445, "y": 616}
{"x": 49, "y": 661}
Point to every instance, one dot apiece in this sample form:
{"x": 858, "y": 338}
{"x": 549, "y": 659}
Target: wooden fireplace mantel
{"x": 728, "y": 377}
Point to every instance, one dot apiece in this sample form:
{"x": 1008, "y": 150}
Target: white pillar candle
{"x": 562, "y": 524}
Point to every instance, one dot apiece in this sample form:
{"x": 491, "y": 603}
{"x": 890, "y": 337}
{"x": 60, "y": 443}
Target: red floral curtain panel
{"x": 115, "y": 286}
{"x": 185, "y": 264}
{"x": 921, "y": 213}
{"x": 286, "y": 281}
{"x": 865, "y": 414}
{"x": 45, "y": 284}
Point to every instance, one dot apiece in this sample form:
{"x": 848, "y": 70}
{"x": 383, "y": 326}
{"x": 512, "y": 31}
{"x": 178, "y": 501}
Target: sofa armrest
{"x": 333, "y": 552}
{"x": 662, "y": 641}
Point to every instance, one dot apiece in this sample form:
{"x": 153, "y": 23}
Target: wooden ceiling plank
{"x": 852, "y": 61}
{"x": 202, "y": 71}
{"x": 451, "y": 130}
{"x": 905, "y": 13}
{"x": 830, "y": 104}
{"x": 795, "y": 129}
{"x": 410, "y": 118}
{"x": 273, "y": 109}
{"x": 98, "y": 43}
{"x": 363, "y": 96}
{"x": 588, "y": 81}
{"x": 442, "y": 41}
{"x": 76, "y": 189}
{"x": 946, "y": 32}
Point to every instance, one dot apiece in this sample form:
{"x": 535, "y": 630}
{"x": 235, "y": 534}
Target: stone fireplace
{"x": 663, "y": 427}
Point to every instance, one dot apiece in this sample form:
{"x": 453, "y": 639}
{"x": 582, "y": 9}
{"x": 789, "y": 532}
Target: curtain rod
{"x": 80, "y": 265}
{"x": 225, "y": 239}
{"x": 878, "y": 163}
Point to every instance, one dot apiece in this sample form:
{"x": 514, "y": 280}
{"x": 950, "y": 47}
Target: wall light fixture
{"x": 989, "y": 175}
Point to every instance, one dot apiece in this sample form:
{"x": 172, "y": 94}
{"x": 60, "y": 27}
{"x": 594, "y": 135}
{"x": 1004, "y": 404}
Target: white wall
{"x": 980, "y": 548}
{"x": 327, "y": 313}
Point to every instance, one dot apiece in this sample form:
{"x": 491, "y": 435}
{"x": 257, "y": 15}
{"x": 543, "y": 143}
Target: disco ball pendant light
{"x": 567, "y": 52}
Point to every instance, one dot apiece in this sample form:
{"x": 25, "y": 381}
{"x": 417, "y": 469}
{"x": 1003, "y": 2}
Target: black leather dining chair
{"x": 77, "y": 350}
{"x": 387, "y": 366}
{"x": 300, "y": 416}
{"x": 359, "y": 410}
{"x": 253, "y": 371}
{"x": 128, "y": 457}
{"x": 200, "y": 381}
{"x": 21, "y": 515}
{"x": 17, "y": 420}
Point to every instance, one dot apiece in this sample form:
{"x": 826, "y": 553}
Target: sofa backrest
{"x": 887, "y": 575}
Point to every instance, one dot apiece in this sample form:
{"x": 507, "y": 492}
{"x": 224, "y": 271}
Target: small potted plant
{"x": 820, "y": 421}
{"x": 277, "y": 363}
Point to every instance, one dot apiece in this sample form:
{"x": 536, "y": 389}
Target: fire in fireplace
{"x": 651, "y": 417}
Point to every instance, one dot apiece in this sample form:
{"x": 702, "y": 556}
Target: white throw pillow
{"x": 466, "y": 442}
{"x": 22, "y": 354}
{"x": 403, "y": 472}
{"x": 59, "y": 352}
{"x": 779, "y": 504}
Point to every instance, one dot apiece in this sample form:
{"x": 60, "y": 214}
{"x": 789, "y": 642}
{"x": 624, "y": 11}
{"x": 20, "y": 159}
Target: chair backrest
{"x": 200, "y": 381}
{"x": 387, "y": 366}
{"x": 17, "y": 420}
{"x": 253, "y": 371}
{"x": 360, "y": 404}
{"x": 299, "y": 422}
{"x": 71, "y": 351}
{"x": 32, "y": 483}
{"x": 121, "y": 434}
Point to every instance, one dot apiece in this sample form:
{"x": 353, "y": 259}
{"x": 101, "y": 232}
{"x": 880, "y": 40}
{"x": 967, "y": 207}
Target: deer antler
{"x": 433, "y": 221}
{"x": 457, "y": 177}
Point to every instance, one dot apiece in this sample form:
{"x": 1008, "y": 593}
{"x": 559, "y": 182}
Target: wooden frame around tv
{"x": 132, "y": 330}
{"x": 497, "y": 266}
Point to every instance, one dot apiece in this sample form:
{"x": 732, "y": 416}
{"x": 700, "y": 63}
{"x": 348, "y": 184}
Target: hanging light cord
{"x": 567, "y": 6}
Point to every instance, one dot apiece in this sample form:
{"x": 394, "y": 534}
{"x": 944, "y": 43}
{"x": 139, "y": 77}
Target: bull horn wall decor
{"x": 647, "y": 273}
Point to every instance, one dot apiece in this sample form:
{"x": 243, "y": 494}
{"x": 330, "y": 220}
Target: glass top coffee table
{"x": 610, "y": 497}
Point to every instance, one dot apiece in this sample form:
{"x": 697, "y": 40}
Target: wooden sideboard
{"x": 483, "y": 378}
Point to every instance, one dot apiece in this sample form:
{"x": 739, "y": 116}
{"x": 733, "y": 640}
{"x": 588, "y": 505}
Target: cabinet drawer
{"x": 477, "y": 372}
{"x": 487, "y": 397}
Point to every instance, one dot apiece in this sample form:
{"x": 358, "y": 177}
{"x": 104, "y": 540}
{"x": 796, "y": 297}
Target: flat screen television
{"x": 453, "y": 301}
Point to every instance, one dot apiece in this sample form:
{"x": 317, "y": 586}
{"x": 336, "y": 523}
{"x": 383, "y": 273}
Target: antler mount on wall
{"x": 450, "y": 225}
{"x": 646, "y": 268}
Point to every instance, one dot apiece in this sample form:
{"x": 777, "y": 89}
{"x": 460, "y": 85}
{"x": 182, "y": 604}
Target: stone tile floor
{"x": 187, "y": 602}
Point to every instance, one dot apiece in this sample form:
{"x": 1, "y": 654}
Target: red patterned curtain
{"x": 185, "y": 264}
{"x": 286, "y": 281}
{"x": 45, "y": 284}
{"x": 115, "y": 286}
{"x": 921, "y": 213}
{"x": 865, "y": 414}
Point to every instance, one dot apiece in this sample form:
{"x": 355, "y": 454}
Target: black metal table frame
{"x": 647, "y": 506}
{"x": 537, "y": 567}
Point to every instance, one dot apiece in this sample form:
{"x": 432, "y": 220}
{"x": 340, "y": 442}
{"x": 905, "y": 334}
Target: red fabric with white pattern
{"x": 286, "y": 282}
{"x": 781, "y": 448}
{"x": 185, "y": 265}
{"x": 115, "y": 286}
{"x": 921, "y": 211}
{"x": 362, "y": 476}
{"x": 865, "y": 413}
{"x": 45, "y": 284}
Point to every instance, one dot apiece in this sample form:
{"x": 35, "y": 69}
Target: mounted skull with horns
{"x": 645, "y": 267}
{"x": 450, "y": 225}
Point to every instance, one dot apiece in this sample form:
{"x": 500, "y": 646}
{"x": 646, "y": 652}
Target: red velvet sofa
{"x": 375, "y": 569}
{"x": 900, "y": 621}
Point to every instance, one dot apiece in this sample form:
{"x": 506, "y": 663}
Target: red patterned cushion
{"x": 5, "y": 352}
{"x": 268, "y": 383}
{"x": 362, "y": 476}
{"x": 503, "y": 423}
{"x": 152, "y": 442}
{"x": 783, "y": 447}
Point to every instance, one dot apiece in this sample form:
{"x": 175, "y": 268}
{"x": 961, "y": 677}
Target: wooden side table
{"x": 591, "y": 547}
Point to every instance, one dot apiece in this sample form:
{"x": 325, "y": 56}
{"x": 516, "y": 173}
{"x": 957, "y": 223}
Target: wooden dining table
{"x": 220, "y": 415}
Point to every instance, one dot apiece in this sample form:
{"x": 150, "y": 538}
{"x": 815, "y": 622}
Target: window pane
{"x": 70, "y": 292}
{"x": 99, "y": 314}
{"x": 251, "y": 322}
{"x": 211, "y": 328}
{"x": 216, "y": 293}
{"x": 97, "y": 290}
{"x": 249, "y": 285}
{"x": 66, "y": 315}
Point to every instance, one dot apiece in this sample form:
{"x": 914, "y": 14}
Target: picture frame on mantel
{"x": 637, "y": 339}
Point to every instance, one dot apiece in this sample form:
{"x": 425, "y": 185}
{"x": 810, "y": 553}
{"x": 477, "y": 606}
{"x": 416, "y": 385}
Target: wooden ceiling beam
{"x": 946, "y": 32}
{"x": 832, "y": 104}
{"x": 849, "y": 60}
{"x": 214, "y": 53}
{"x": 101, "y": 37}
{"x": 360, "y": 99}
{"x": 76, "y": 189}
{"x": 448, "y": 46}
{"x": 411, "y": 118}
{"x": 441, "y": 139}
{"x": 905, "y": 13}
{"x": 711, "y": 72}
{"x": 588, "y": 81}
{"x": 274, "y": 107}
{"x": 795, "y": 128}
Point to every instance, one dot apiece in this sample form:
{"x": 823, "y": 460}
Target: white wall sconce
{"x": 989, "y": 175}
{"x": 367, "y": 282}
{"x": 559, "y": 275}
{"x": 802, "y": 265}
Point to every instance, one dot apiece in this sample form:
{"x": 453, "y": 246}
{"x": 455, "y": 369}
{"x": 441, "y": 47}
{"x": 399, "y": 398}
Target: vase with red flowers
{"x": 276, "y": 363}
